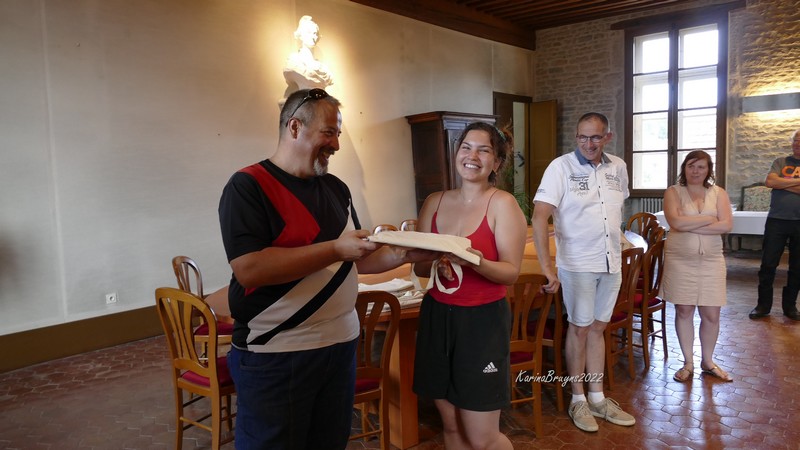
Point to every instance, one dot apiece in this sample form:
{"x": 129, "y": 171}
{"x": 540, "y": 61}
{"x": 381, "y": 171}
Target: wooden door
{"x": 543, "y": 140}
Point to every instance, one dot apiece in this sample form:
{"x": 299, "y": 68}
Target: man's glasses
{"x": 595, "y": 139}
{"x": 313, "y": 94}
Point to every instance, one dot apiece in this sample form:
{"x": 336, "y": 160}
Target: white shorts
{"x": 589, "y": 296}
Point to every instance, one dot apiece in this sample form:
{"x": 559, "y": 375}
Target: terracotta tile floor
{"x": 121, "y": 398}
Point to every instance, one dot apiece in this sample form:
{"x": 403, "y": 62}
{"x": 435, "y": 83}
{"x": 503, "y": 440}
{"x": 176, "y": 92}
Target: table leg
{"x": 403, "y": 414}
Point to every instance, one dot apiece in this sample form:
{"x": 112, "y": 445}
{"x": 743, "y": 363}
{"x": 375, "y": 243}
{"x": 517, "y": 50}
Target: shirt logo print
{"x": 579, "y": 184}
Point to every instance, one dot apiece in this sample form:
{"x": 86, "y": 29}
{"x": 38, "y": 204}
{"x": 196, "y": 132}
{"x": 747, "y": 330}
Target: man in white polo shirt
{"x": 584, "y": 192}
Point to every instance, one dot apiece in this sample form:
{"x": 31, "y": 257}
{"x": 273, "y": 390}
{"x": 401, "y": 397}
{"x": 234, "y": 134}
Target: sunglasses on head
{"x": 313, "y": 94}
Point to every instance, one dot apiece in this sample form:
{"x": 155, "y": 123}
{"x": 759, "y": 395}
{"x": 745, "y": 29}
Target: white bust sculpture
{"x": 302, "y": 68}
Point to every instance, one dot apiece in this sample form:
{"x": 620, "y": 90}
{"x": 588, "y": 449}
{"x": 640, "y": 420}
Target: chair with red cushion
{"x": 553, "y": 338}
{"x": 526, "y": 349}
{"x": 647, "y": 302}
{"x": 619, "y": 331}
{"x": 188, "y": 275}
{"x": 201, "y": 378}
{"x": 377, "y": 311}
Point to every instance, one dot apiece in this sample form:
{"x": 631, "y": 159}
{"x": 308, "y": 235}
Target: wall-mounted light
{"x": 773, "y": 102}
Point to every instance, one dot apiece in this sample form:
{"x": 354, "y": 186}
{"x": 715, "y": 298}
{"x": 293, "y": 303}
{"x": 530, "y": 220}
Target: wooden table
{"x": 403, "y": 405}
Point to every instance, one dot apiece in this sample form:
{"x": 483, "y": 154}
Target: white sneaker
{"x": 609, "y": 409}
{"x": 582, "y": 416}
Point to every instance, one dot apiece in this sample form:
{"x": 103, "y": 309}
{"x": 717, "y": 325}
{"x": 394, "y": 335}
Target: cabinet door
{"x": 453, "y": 133}
{"x": 431, "y": 174}
{"x": 543, "y": 119}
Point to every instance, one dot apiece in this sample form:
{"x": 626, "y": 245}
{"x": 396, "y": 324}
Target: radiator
{"x": 651, "y": 204}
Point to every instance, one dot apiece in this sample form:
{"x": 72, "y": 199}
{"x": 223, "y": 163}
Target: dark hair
{"x": 697, "y": 154}
{"x": 303, "y": 113}
{"x": 595, "y": 116}
{"x": 502, "y": 142}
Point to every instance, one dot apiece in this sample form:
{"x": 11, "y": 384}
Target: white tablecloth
{"x": 744, "y": 222}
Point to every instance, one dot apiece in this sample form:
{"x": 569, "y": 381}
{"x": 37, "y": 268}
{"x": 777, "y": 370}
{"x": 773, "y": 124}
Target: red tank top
{"x": 475, "y": 289}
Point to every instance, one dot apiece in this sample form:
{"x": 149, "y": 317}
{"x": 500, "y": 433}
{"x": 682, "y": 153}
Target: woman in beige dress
{"x": 698, "y": 213}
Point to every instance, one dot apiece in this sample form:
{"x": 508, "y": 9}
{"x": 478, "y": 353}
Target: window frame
{"x": 672, "y": 23}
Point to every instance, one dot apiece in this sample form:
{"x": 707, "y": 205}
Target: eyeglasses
{"x": 595, "y": 139}
{"x": 313, "y": 94}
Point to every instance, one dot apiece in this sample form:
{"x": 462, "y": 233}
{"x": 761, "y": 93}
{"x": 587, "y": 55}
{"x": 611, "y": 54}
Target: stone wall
{"x": 764, "y": 58}
{"x": 582, "y": 66}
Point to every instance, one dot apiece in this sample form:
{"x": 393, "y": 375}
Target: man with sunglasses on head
{"x": 584, "y": 192}
{"x": 295, "y": 246}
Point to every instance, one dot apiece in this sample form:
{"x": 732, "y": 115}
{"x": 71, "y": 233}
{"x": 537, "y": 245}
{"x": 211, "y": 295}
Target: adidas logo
{"x": 490, "y": 368}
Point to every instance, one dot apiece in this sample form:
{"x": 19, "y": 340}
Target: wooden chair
{"x": 644, "y": 224}
{"x": 619, "y": 331}
{"x": 526, "y": 349}
{"x": 647, "y": 303}
{"x": 384, "y": 227}
{"x": 409, "y": 225}
{"x": 756, "y": 197}
{"x": 555, "y": 334}
{"x": 658, "y": 234}
{"x": 373, "y": 376}
{"x": 200, "y": 377}
{"x": 190, "y": 280}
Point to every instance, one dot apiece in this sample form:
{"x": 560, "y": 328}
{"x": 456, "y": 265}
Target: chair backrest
{"x": 657, "y": 235}
{"x": 409, "y": 225}
{"x": 176, "y": 309}
{"x": 384, "y": 227}
{"x": 643, "y": 224}
{"x": 188, "y": 275}
{"x": 652, "y": 266}
{"x": 756, "y": 197}
{"x": 631, "y": 265}
{"x": 525, "y": 351}
{"x": 370, "y": 305}
{"x": 525, "y": 296}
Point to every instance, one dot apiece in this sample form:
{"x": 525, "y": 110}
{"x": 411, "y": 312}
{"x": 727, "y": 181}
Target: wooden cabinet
{"x": 433, "y": 140}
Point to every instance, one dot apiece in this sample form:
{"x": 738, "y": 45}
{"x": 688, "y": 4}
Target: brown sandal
{"x": 716, "y": 372}
{"x": 682, "y": 375}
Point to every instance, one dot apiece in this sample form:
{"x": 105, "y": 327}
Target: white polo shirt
{"x": 588, "y": 204}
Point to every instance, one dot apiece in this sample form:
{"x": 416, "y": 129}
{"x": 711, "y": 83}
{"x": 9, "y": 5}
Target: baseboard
{"x": 44, "y": 344}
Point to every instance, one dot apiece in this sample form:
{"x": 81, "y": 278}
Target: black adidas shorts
{"x": 463, "y": 354}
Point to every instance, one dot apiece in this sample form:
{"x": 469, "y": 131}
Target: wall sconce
{"x": 773, "y": 102}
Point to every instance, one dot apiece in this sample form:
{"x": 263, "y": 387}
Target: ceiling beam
{"x": 459, "y": 18}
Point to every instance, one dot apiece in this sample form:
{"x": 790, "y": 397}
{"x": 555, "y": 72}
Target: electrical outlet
{"x": 111, "y": 298}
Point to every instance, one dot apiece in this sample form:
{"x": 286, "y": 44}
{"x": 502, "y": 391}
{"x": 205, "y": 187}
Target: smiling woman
{"x": 471, "y": 294}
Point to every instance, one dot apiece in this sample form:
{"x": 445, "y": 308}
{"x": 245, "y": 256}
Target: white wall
{"x": 120, "y": 121}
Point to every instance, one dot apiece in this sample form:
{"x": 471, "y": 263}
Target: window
{"x": 676, "y": 78}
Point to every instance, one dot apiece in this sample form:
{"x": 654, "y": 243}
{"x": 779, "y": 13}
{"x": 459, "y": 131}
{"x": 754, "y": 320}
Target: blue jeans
{"x": 777, "y": 232}
{"x": 294, "y": 400}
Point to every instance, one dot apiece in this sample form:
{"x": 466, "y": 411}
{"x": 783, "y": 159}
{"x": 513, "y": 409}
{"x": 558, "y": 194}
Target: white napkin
{"x": 395, "y": 285}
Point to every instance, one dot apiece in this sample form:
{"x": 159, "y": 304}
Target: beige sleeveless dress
{"x": 694, "y": 266}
